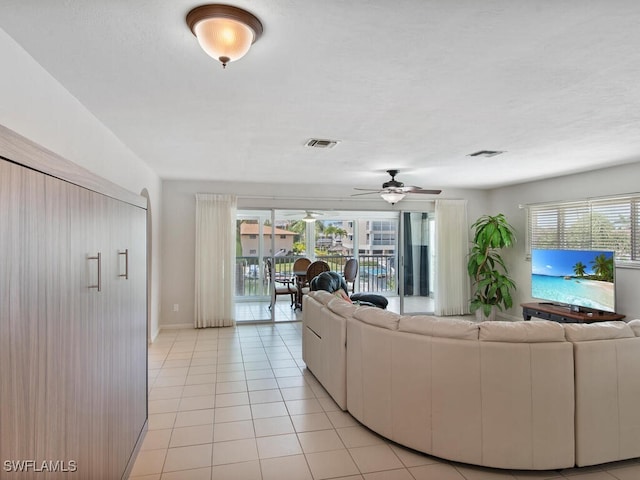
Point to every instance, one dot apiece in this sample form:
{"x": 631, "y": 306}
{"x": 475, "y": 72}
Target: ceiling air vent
{"x": 486, "y": 153}
{"x": 321, "y": 143}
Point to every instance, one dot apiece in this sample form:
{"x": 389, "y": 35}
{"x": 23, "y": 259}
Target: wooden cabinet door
{"x": 23, "y": 337}
{"x": 125, "y": 329}
{"x": 135, "y": 329}
{"x": 77, "y": 357}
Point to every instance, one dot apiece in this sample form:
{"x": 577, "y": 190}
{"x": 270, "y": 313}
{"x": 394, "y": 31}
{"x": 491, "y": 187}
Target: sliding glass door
{"x": 267, "y": 244}
{"x": 290, "y": 240}
{"x": 253, "y": 248}
{"x": 417, "y": 260}
{"x": 393, "y": 251}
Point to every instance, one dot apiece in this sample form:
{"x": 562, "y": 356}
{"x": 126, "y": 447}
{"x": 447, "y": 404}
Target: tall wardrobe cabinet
{"x": 73, "y": 320}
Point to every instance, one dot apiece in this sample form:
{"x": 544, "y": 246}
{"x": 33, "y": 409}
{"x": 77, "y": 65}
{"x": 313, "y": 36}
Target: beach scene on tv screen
{"x": 583, "y": 278}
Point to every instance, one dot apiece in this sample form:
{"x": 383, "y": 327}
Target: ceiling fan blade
{"x": 422, "y": 190}
{"x": 393, "y": 186}
{"x": 365, "y": 193}
{"x": 310, "y": 213}
{"x": 407, "y": 188}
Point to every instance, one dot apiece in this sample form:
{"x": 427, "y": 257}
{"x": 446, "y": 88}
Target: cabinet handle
{"x": 126, "y": 264}
{"x": 98, "y": 257}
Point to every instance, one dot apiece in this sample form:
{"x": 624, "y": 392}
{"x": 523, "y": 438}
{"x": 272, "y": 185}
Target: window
{"x": 383, "y": 226}
{"x": 384, "y": 239}
{"x": 603, "y": 223}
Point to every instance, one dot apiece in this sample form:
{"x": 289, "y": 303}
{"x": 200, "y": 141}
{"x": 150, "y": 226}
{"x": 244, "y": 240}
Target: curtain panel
{"x": 453, "y": 290}
{"x": 215, "y": 260}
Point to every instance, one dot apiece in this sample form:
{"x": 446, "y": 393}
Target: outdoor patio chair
{"x": 350, "y": 273}
{"x": 281, "y": 286}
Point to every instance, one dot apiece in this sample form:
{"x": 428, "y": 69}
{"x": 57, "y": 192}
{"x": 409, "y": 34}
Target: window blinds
{"x": 602, "y": 224}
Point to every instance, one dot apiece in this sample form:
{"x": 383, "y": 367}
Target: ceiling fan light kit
{"x": 309, "y": 216}
{"x": 392, "y": 197}
{"x": 224, "y": 32}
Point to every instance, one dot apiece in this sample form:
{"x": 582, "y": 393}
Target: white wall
{"x": 178, "y": 225}
{"x": 610, "y": 181}
{"x": 35, "y": 105}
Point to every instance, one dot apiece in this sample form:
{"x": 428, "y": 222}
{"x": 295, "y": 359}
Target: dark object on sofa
{"x": 332, "y": 282}
{"x": 370, "y": 299}
{"x": 329, "y": 281}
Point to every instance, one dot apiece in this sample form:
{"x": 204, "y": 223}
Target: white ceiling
{"x": 415, "y": 85}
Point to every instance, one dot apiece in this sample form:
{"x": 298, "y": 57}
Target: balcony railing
{"x": 376, "y": 273}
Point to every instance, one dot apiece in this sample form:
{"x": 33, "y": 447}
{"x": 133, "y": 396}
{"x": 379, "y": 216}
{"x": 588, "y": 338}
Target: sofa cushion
{"x": 439, "y": 327}
{"x": 378, "y": 317}
{"x": 635, "y": 326}
{"x": 322, "y": 296}
{"x": 584, "y": 332}
{"x": 341, "y": 307}
{"x": 541, "y": 331}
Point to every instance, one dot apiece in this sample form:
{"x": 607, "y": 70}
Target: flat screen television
{"x": 575, "y": 278}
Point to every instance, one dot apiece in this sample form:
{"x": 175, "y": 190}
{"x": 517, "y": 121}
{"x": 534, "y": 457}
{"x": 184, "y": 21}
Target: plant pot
{"x": 481, "y": 317}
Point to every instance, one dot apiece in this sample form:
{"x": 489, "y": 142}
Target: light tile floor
{"x": 238, "y": 403}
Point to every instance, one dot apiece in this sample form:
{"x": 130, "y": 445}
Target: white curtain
{"x": 452, "y": 290}
{"x": 215, "y": 260}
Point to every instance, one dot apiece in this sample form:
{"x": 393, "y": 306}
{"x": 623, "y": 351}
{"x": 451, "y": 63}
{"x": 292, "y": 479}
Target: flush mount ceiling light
{"x": 224, "y": 32}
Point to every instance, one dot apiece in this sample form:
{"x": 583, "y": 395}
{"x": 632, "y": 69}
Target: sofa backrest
{"x": 377, "y": 317}
{"x": 587, "y": 332}
{"x": 542, "y": 331}
{"x": 439, "y": 327}
{"x": 341, "y": 307}
{"x": 321, "y": 296}
{"x": 635, "y": 326}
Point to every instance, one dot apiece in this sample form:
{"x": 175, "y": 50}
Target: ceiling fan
{"x": 309, "y": 216}
{"x": 393, "y": 191}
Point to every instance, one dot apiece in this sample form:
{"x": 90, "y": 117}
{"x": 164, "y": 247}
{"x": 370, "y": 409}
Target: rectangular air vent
{"x": 486, "y": 153}
{"x": 321, "y": 143}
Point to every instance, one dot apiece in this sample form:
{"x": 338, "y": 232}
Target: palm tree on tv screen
{"x": 603, "y": 267}
{"x": 580, "y": 269}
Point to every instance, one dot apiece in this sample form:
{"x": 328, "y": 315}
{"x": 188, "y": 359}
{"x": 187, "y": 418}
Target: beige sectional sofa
{"x": 524, "y": 395}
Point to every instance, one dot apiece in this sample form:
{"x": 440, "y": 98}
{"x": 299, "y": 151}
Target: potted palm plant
{"x": 491, "y": 283}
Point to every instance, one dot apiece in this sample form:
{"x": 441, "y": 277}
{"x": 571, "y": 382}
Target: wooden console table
{"x": 562, "y": 314}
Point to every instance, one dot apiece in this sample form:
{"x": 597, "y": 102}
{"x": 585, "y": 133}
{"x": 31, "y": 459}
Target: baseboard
{"x": 154, "y": 336}
{"x": 175, "y": 326}
{"x": 136, "y": 449}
